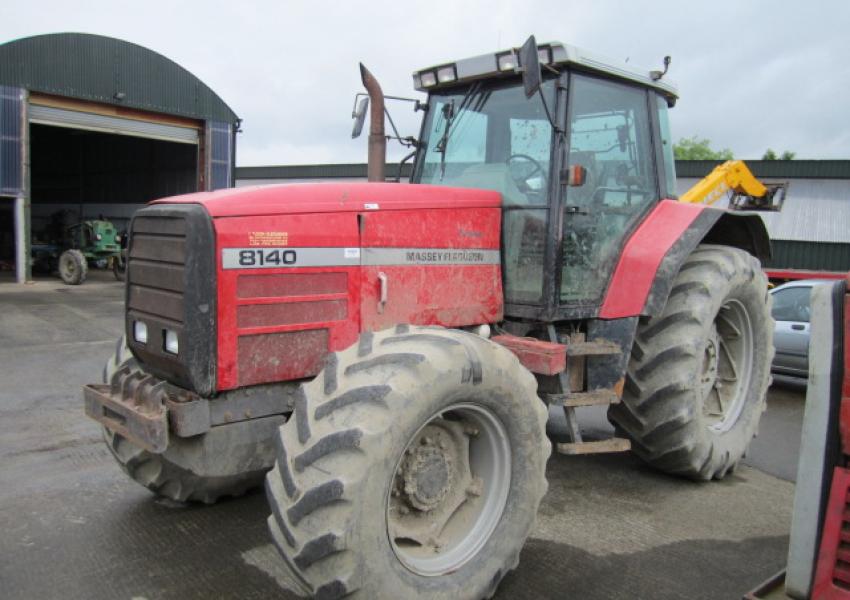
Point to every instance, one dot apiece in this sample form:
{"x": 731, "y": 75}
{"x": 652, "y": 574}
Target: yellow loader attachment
{"x": 748, "y": 193}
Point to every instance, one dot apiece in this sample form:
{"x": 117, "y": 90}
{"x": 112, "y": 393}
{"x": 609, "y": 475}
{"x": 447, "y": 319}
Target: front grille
{"x": 170, "y": 286}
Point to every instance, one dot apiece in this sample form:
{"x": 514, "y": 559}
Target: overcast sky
{"x": 751, "y": 75}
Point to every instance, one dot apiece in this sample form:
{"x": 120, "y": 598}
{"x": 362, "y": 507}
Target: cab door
{"x": 610, "y": 137}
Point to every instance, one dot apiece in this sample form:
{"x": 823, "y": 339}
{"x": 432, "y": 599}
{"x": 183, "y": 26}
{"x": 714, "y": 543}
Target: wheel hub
{"x": 727, "y": 366}
{"x": 427, "y": 472}
{"x": 708, "y": 377}
{"x": 449, "y": 489}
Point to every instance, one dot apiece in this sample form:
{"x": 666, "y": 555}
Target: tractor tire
{"x": 413, "y": 467}
{"x": 699, "y": 371}
{"x": 73, "y": 267}
{"x": 165, "y": 474}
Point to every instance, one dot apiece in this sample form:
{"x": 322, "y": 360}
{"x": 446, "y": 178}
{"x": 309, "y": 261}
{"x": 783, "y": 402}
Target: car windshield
{"x": 489, "y": 137}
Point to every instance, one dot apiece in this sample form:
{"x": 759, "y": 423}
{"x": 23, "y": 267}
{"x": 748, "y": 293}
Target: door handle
{"x": 798, "y": 327}
{"x": 382, "y": 301}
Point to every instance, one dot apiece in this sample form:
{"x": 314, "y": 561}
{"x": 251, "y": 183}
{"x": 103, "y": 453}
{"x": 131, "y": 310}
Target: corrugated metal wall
{"x": 11, "y": 117}
{"x": 817, "y": 256}
{"x": 220, "y": 140}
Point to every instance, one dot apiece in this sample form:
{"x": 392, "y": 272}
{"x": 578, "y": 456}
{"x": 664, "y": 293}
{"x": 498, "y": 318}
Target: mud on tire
{"x": 686, "y": 409}
{"x": 163, "y": 474}
{"x": 335, "y": 488}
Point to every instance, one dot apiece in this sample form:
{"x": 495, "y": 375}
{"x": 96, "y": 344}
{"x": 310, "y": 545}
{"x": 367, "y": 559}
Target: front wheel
{"x": 225, "y": 462}
{"x": 698, "y": 374}
{"x": 413, "y": 467}
{"x": 73, "y": 267}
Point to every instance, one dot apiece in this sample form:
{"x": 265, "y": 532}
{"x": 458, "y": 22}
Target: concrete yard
{"x": 73, "y": 526}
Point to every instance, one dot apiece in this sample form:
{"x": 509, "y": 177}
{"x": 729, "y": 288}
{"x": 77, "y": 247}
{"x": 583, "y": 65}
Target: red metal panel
{"x": 243, "y": 288}
{"x": 803, "y": 274}
{"x": 832, "y": 575}
{"x": 635, "y": 271}
{"x": 290, "y": 313}
{"x": 546, "y": 358}
{"x": 334, "y": 198}
{"x": 291, "y": 284}
{"x": 431, "y": 294}
{"x": 281, "y": 356}
{"x": 844, "y": 419}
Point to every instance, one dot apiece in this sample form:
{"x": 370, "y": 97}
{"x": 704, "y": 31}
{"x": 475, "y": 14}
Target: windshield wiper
{"x": 449, "y": 114}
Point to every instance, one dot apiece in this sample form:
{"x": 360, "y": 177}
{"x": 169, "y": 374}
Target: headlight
{"x": 140, "y": 332}
{"x": 171, "y": 344}
{"x": 98, "y": 237}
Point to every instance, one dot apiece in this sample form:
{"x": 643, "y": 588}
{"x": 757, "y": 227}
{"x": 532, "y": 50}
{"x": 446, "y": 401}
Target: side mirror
{"x": 530, "y": 63}
{"x": 359, "y": 116}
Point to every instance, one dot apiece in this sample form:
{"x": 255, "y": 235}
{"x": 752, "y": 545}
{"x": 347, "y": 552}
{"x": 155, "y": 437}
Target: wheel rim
{"x": 449, "y": 489}
{"x": 727, "y": 367}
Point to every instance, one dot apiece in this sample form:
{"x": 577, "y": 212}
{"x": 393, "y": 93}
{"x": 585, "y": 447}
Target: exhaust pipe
{"x": 377, "y": 140}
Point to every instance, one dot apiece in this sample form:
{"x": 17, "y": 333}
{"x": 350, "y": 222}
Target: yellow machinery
{"x": 748, "y": 193}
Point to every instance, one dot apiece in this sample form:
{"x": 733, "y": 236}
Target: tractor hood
{"x": 333, "y": 197}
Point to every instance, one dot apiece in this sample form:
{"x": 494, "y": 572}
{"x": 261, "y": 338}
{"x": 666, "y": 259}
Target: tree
{"x": 693, "y": 148}
{"x": 771, "y": 155}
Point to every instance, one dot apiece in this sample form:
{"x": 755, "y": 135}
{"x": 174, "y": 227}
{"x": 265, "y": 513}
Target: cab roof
{"x": 554, "y": 54}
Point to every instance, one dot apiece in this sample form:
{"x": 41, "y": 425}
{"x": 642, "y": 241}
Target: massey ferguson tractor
{"x": 384, "y": 353}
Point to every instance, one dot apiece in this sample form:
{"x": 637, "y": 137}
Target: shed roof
{"x": 111, "y": 71}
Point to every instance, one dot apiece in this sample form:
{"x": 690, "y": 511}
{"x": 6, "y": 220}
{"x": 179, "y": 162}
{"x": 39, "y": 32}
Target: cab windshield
{"x": 492, "y": 137}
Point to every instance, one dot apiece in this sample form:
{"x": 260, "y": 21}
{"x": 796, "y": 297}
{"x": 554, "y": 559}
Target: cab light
{"x": 140, "y": 332}
{"x": 446, "y": 74}
{"x": 171, "y": 343}
{"x": 507, "y": 62}
{"x": 428, "y": 79}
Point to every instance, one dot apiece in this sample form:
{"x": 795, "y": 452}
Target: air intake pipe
{"x": 377, "y": 139}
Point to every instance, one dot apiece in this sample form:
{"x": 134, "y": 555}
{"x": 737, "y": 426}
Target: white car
{"x": 792, "y": 313}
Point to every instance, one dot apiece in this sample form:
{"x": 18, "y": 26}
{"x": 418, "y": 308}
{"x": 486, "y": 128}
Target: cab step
{"x": 596, "y": 447}
{"x": 593, "y": 348}
{"x": 601, "y": 397}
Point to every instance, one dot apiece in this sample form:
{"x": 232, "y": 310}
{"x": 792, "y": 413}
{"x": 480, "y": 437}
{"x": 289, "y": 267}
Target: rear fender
{"x": 654, "y": 254}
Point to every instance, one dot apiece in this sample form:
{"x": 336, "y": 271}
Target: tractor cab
{"x": 579, "y": 161}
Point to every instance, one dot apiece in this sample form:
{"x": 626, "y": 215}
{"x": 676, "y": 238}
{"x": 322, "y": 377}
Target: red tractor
{"x": 389, "y": 350}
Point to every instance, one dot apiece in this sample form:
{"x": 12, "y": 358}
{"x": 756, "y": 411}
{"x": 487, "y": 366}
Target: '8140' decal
{"x": 262, "y": 257}
{"x": 270, "y": 258}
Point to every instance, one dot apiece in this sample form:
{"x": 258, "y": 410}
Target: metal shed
{"x": 96, "y": 126}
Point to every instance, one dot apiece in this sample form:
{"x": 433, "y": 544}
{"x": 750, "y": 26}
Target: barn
{"x": 93, "y": 127}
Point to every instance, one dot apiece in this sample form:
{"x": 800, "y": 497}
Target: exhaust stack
{"x": 377, "y": 140}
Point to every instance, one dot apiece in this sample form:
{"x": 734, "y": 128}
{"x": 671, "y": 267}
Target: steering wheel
{"x": 521, "y": 181}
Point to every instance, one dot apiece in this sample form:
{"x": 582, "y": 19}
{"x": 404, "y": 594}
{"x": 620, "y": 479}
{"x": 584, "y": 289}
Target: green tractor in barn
{"x": 69, "y": 249}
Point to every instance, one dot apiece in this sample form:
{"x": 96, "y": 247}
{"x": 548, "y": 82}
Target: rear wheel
{"x": 413, "y": 467}
{"x": 698, "y": 374}
{"x": 199, "y": 469}
{"x": 73, "y": 267}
